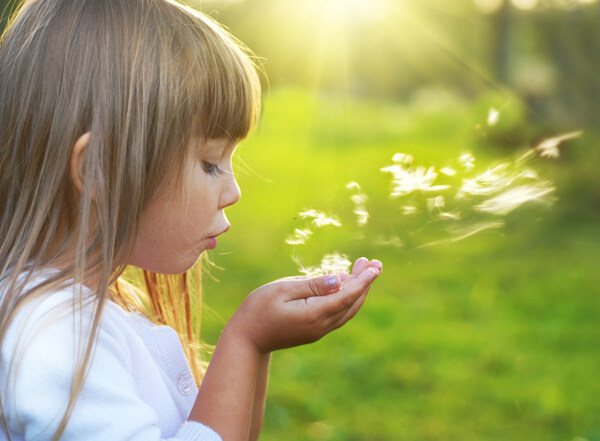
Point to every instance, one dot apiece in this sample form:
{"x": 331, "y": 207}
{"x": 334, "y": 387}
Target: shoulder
{"x": 54, "y": 329}
{"x": 43, "y": 348}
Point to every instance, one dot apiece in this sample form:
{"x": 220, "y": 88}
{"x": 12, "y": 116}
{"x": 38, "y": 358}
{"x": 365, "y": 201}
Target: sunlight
{"x": 349, "y": 11}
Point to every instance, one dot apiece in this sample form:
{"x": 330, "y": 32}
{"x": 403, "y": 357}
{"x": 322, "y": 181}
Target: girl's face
{"x": 176, "y": 228}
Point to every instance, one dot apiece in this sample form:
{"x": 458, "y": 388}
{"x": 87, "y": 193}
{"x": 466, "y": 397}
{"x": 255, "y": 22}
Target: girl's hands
{"x": 299, "y": 310}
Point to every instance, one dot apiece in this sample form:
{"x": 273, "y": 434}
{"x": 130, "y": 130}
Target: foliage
{"x": 491, "y": 338}
{"x": 544, "y": 51}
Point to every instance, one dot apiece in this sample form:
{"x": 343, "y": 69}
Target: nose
{"x": 231, "y": 192}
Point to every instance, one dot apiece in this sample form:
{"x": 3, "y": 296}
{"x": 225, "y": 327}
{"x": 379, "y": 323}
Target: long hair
{"x": 142, "y": 76}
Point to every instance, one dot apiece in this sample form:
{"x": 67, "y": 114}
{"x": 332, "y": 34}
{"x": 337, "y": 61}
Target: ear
{"x": 77, "y": 160}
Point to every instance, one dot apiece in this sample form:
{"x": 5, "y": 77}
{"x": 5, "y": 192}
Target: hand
{"x": 299, "y": 310}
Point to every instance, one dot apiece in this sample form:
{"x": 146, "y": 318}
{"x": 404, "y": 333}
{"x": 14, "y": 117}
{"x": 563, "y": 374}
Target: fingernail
{"x": 332, "y": 282}
{"x": 374, "y": 273}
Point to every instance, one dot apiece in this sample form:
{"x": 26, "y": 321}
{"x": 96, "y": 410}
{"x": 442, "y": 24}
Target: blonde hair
{"x": 143, "y": 76}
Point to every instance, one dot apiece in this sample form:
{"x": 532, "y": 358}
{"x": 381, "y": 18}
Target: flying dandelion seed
{"x": 549, "y": 147}
{"x": 359, "y": 200}
{"x": 489, "y": 182}
{"x": 320, "y": 219}
{"x": 515, "y": 197}
{"x": 493, "y": 117}
{"x": 330, "y": 264}
{"x": 476, "y": 201}
{"x": 403, "y": 158}
{"x": 436, "y": 203}
{"x": 363, "y": 217}
{"x": 449, "y": 216}
{"x": 458, "y": 234}
{"x": 497, "y": 191}
{"x": 448, "y": 171}
{"x": 406, "y": 181}
{"x": 525, "y": 157}
{"x": 529, "y": 174}
{"x": 468, "y": 161}
{"x": 312, "y": 214}
{"x": 299, "y": 237}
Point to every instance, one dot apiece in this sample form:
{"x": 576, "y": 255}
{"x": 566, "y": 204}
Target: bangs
{"x": 224, "y": 87}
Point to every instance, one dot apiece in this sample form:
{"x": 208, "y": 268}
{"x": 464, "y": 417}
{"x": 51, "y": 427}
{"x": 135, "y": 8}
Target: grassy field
{"x": 495, "y": 337}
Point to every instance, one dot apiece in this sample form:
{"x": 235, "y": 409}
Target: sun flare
{"x": 350, "y": 11}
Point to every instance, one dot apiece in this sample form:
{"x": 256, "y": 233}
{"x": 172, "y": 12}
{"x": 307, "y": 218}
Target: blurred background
{"x": 493, "y": 337}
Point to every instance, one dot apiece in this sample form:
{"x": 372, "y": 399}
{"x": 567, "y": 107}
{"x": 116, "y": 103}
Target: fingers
{"x": 345, "y": 316}
{"x": 348, "y": 314}
{"x": 312, "y": 287}
{"x": 376, "y": 264}
{"x": 338, "y": 304}
{"x": 363, "y": 263}
{"x": 360, "y": 265}
{"x": 303, "y": 287}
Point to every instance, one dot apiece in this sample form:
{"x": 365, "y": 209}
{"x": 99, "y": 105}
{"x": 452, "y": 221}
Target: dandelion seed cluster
{"x": 456, "y": 200}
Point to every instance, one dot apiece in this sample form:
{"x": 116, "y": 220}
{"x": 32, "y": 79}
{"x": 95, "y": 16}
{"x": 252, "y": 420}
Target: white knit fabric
{"x": 138, "y": 388}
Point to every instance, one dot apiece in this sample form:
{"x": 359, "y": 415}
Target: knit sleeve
{"x": 36, "y": 386}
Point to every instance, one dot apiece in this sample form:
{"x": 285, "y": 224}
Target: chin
{"x": 174, "y": 266}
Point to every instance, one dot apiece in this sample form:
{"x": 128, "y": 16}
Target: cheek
{"x": 168, "y": 238}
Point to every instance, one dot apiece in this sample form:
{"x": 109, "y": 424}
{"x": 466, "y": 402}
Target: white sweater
{"x": 139, "y": 386}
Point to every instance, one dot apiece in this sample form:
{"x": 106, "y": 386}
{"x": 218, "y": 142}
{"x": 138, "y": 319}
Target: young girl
{"x": 118, "y": 121}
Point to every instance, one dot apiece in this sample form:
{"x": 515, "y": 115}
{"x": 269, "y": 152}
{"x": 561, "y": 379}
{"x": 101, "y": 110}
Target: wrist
{"x": 239, "y": 337}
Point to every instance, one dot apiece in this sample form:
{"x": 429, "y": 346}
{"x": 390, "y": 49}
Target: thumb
{"x": 314, "y": 286}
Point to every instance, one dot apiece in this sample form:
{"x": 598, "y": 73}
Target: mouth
{"x": 212, "y": 241}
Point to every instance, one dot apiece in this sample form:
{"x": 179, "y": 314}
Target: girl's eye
{"x": 211, "y": 169}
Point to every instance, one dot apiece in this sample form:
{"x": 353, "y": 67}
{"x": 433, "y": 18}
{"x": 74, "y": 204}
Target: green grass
{"x": 495, "y": 337}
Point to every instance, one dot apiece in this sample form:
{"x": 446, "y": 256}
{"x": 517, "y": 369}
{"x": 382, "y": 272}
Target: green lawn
{"x": 495, "y": 337}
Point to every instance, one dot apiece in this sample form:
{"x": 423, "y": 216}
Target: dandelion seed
{"x": 465, "y": 232}
{"x": 472, "y": 187}
{"x": 515, "y": 197}
{"x": 435, "y": 204}
{"x": 299, "y": 237}
{"x": 402, "y": 158}
{"x": 489, "y": 182}
{"x": 468, "y": 161}
{"x": 331, "y": 263}
{"x": 320, "y": 219}
{"x": 493, "y": 117}
{"x": 549, "y": 147}
{"x": 470, "y": 230}
{"x": 363, "y": 217}
{"x": 309, "y": 213}
{"x": 359, "y": 199}
{"x": 525, "y": 157}
{"x": 448, "y": 171}
{"x": 528, "y": 174}
{"x": 407, "y": 181}
{"x": 323, "y": 221}
{"x": 449, "y": 215}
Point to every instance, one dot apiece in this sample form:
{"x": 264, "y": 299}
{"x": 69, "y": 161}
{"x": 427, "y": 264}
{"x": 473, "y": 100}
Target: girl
{"x": 118, "y": 122}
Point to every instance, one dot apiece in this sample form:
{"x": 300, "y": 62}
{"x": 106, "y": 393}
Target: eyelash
{"x": 211, "y": 169}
